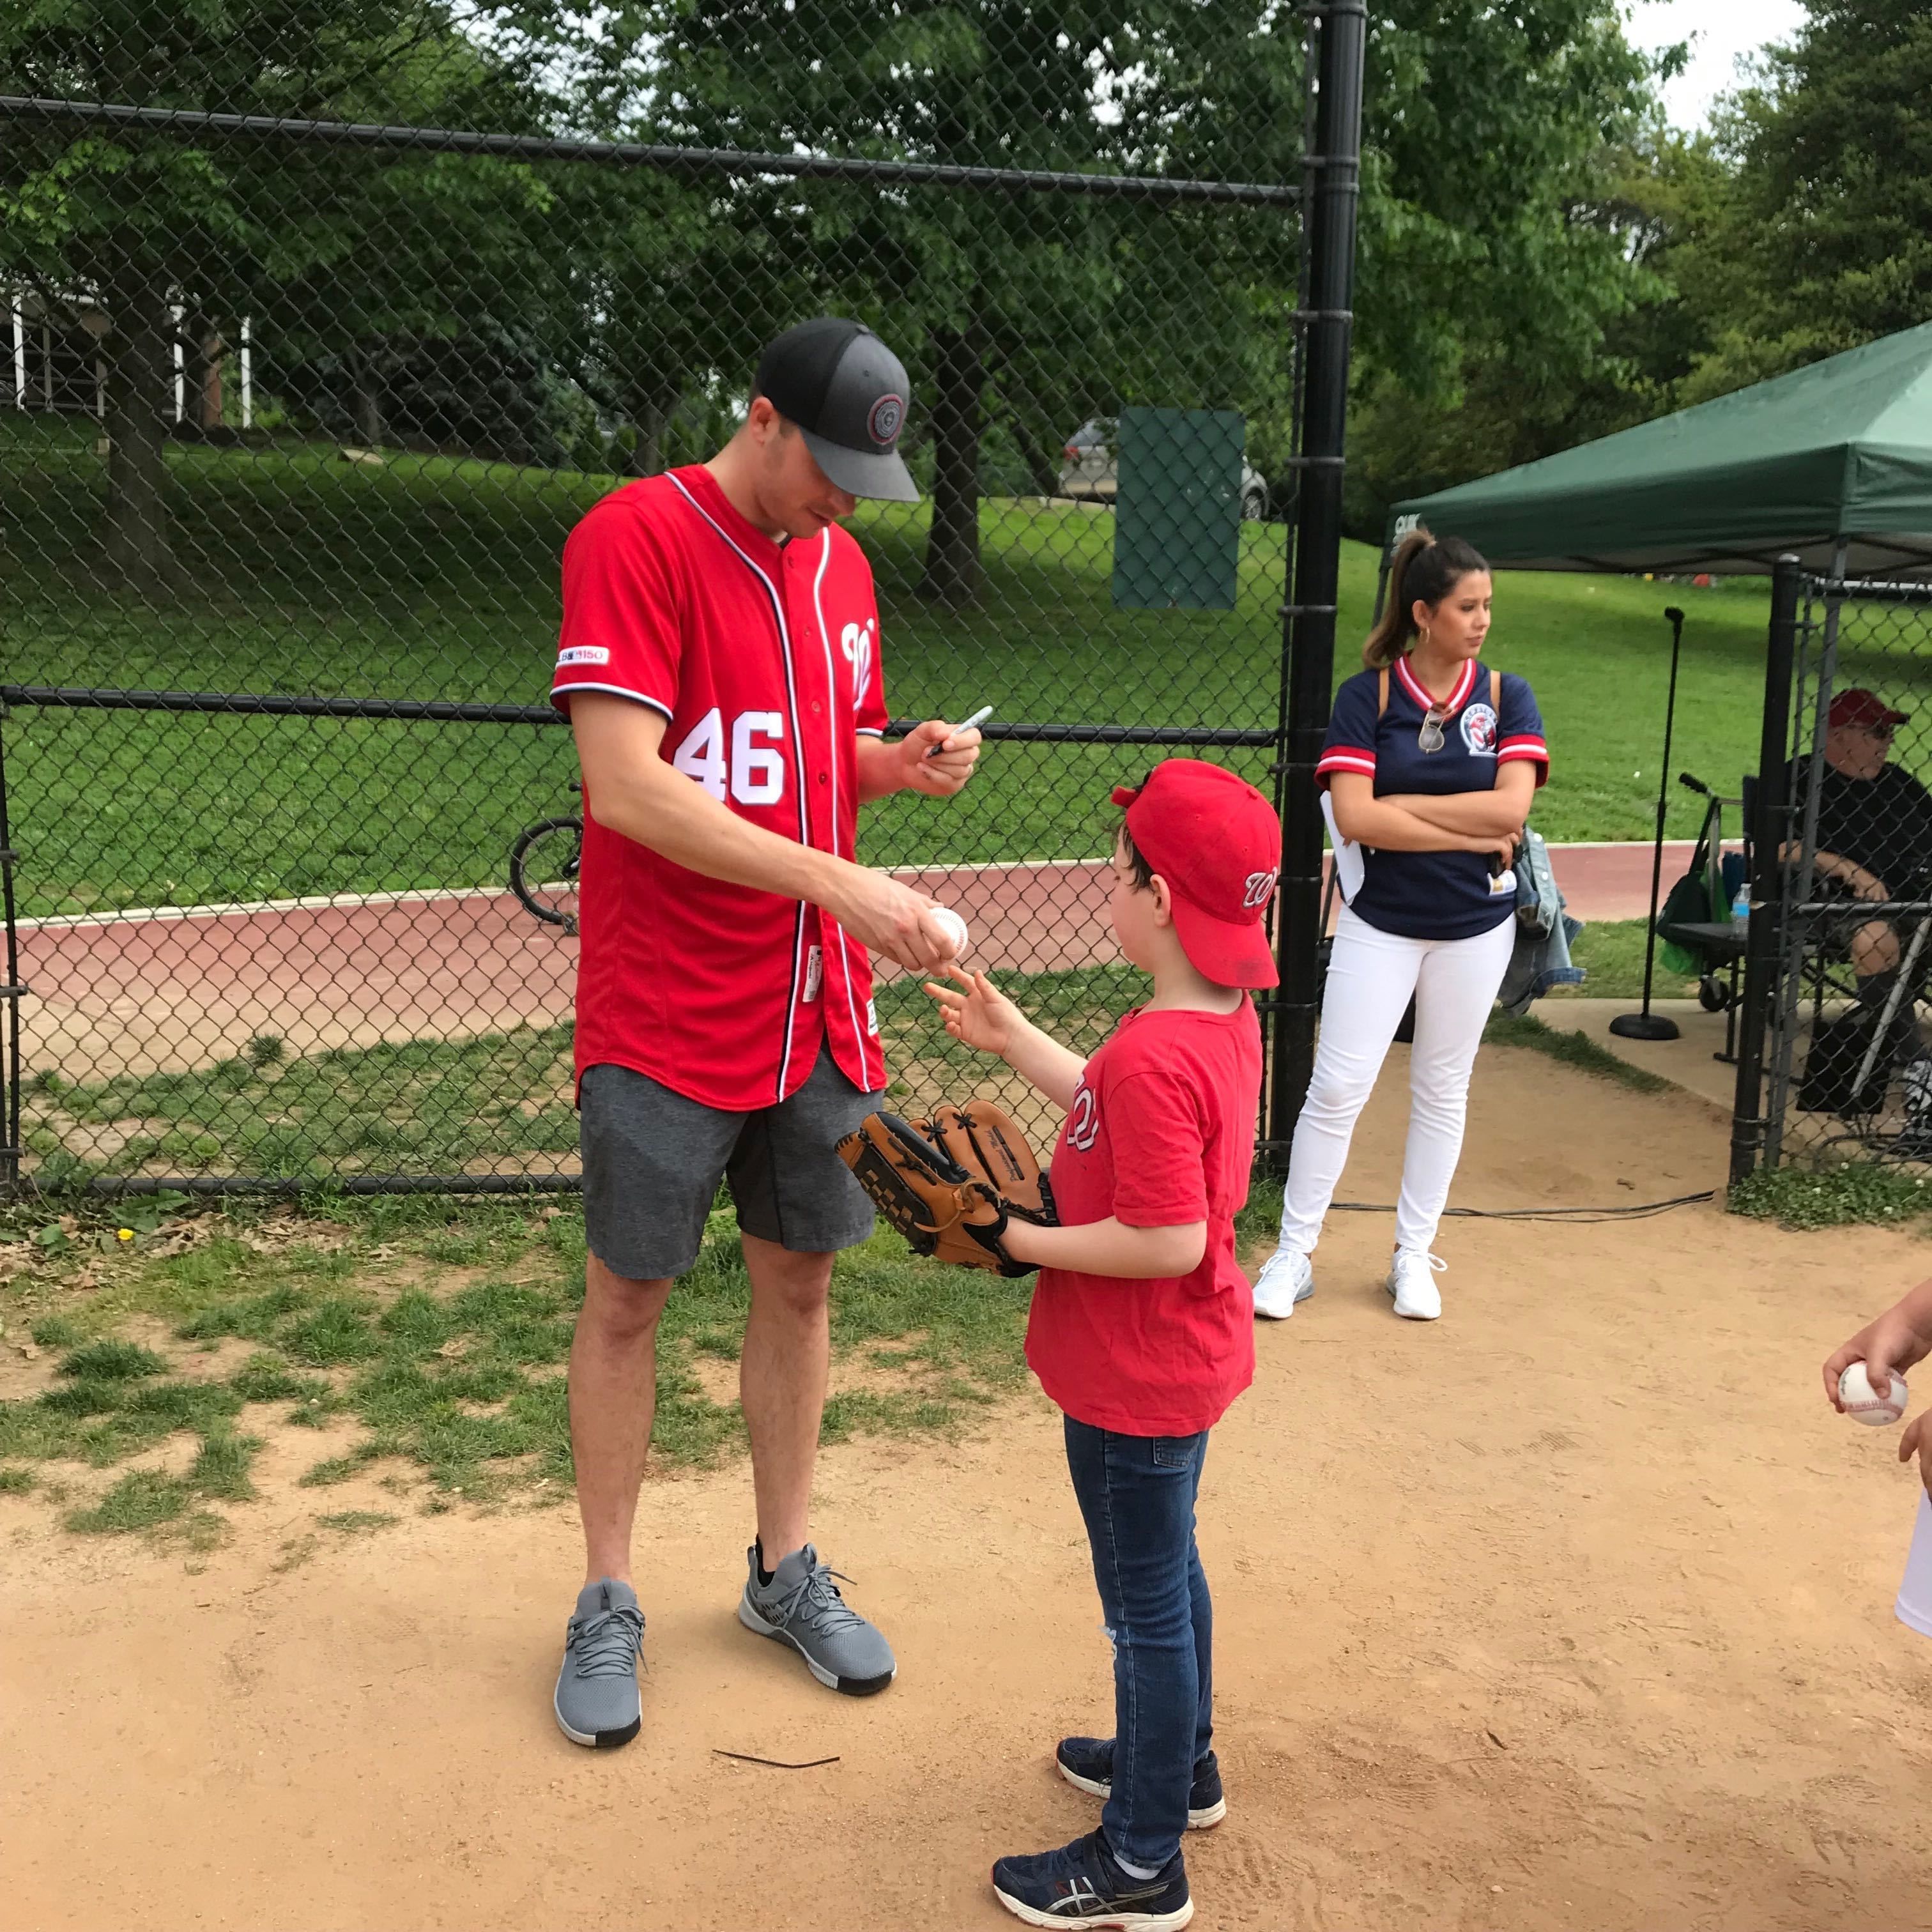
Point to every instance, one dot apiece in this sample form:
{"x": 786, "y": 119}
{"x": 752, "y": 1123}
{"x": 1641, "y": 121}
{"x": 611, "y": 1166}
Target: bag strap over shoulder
{"x": 1496, "y": 695}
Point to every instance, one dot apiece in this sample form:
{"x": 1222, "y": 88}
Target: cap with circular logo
{"x": 1217, "y": 843}
{"x": 847, "y": 392}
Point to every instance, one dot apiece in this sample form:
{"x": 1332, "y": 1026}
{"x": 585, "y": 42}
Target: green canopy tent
{"x": 1837, "y": 454}
{"x": 1816, "y": 477}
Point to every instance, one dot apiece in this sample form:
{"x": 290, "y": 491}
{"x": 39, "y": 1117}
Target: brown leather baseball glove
{"x": 951, "y": 1184}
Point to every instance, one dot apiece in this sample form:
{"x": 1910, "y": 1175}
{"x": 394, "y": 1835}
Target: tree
{"x": 142, "y": 225}
{"x": 1031, "y": 311}
{"x": 1509, "y": 241}
{"x": 1665, "y": 200}
{"x": 1830, "y": 237}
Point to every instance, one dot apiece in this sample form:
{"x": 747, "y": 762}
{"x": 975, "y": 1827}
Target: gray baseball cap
{"x": 847, "y": 392}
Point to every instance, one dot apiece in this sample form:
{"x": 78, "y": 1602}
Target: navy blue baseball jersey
{"x": 1433, "y": 895}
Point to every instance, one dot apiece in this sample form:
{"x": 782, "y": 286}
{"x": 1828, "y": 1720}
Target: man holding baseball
{"x": 719, "y": 662}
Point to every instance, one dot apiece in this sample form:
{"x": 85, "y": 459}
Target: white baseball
{"x": 1863, "y": 1403}
{"x": 953, "y": 926}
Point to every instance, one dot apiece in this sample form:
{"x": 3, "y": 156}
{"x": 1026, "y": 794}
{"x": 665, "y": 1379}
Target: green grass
{"x": 436, "y": 578}
{"x": 1574, "y": 1049}
{"x": 112, "y": 1361}
{"x": 1858, "y": 1192}
{"x": 143, "y": 1499}
{"x": 355, "y": 1523}
{"x": 1612, "y": 952}
{"x": 457, "y": 1382}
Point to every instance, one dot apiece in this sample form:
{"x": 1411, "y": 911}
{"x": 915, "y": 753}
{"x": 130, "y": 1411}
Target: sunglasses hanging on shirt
{"x": 1430, "y": 738}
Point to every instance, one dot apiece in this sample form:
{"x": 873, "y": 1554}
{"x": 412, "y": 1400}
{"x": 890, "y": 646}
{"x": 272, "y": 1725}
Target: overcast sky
{"x": 1718, "y": 31}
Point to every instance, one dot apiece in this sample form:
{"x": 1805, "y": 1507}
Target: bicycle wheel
{"x": 544, "y": 865}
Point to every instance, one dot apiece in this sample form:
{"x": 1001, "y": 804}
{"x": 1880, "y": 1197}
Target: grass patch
{"x": 1574, "y": 1049}
{"x": 426, "y": 1106}
{"x": 55, "y": 1331}
{"x": 267, "y": 1377}
{"x": 1835, "y": 1197}
{"x": 355, "y": 1523}
{"x": 460, "y": 1382}
{"x": 112, "y": 1361}
{"x": 1612, "y": 952}
{"x": 15, "y": 1482}
{"x": 340, "y": 1468}
{"x": 1260, "y": 1220}
{"x": 220, "y": 1470}
{"x": 143, "y": 1499}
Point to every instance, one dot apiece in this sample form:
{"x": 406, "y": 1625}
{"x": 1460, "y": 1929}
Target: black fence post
{"x": 1764, "y": 943}
{"x": 1308, "y": 622}
{"x": 11, "y": 996}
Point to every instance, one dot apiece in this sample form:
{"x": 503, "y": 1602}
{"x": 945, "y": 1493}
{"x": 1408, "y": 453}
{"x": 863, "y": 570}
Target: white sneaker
{"x": 1412, "y": 1281}
{"x": 1286, "y": 1278}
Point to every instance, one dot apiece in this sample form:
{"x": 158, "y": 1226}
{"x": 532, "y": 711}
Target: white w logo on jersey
{"x": 1260, "y": 888}
{"x": 855, "y": 641}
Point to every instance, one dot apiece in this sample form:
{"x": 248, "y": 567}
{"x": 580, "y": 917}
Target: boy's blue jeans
{"x": 1137, "y": 1493}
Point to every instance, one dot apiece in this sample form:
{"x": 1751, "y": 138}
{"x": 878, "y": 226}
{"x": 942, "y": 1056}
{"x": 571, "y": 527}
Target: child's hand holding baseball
{"x": 981, "y": 1017}
{"x": 1899, "y": 1339}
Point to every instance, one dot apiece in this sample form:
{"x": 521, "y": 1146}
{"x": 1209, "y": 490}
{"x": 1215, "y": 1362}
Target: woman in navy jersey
{"x": 1431, "y": 762}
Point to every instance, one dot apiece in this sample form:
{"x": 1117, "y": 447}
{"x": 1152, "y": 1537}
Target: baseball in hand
{"x": 1863, "y": 1403}
{"x": 953, "y": 926}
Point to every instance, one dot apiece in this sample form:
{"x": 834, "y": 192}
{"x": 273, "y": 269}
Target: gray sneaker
{"x": 597, "y": 1702}
{"x": 801, "y": 1606}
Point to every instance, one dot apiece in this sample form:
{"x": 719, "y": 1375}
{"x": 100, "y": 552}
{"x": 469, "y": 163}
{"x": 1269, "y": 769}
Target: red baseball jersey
{"x": 1161, "y": 1133}
{"x": 763, "y": 660}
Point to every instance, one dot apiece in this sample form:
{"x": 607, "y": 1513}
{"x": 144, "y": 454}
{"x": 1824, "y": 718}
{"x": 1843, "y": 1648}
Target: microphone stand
{"x": 1646, "y": 1025}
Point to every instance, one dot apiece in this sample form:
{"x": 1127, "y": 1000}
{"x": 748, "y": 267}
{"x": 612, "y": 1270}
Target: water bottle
{"x": 1741, "y": 905}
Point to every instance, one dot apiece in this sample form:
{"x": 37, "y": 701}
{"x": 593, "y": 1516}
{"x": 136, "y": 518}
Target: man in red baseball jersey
{"x": 720, "y": 664}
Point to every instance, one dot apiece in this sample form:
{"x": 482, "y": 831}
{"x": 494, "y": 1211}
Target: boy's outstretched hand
{"x": 982, "y": 1016}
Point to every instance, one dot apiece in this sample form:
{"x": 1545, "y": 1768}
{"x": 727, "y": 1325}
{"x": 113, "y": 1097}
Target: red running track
{"x": 172, "y": 991}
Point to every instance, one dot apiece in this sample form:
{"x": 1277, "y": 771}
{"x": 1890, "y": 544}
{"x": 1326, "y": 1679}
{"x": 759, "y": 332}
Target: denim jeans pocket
{"x": 1174, "y": 1452}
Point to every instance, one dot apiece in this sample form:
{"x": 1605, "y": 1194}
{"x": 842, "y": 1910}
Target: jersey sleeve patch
{"x": 622, "y": 628}
{"x": 1522, "y": 732}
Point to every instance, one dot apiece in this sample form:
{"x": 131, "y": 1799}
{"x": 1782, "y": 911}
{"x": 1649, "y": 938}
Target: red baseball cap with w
{"x": 1217, "y": 843}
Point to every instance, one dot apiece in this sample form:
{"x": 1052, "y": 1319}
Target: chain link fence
{"x": 320, "y": 327}
{"x": 1847, "y": 1072}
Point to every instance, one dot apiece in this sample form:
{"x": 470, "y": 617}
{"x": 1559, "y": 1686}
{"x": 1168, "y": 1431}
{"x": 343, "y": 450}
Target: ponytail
{"x": 1423, "y": 570}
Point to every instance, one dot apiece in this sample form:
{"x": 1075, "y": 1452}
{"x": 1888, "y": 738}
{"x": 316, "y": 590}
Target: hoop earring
{"x": 1424, "y": 634}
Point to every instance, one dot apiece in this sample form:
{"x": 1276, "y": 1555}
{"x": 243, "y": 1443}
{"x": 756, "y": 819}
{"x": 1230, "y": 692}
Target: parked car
{"x": 1091, "y": 471}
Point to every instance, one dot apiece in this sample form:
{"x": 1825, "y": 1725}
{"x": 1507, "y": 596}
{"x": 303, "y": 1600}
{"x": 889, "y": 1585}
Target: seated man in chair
{"x": 1874, "y": 843}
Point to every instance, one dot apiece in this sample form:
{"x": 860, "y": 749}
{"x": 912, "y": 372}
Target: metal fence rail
{"x": 335, "y": 327}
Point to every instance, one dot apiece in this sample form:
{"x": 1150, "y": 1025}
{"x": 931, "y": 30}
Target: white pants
{"x": 1371, "y": 975}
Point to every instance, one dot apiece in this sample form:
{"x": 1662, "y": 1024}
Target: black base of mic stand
{"x": 1646, "y": 1025}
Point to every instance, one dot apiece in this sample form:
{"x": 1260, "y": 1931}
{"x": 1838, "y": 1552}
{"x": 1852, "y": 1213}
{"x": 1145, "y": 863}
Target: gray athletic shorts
{"x": 652, "y": 1160}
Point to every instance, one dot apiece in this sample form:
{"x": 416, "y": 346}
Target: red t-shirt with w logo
{"x": 1161, "y": 1133}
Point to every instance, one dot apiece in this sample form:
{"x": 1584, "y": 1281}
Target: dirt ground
{"x": 1572, "y": 1610}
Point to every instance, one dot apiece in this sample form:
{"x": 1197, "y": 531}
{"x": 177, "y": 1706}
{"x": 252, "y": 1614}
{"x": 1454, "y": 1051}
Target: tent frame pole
{"x": 1644, "y": 1024}
{"x": 1764, "y": 940}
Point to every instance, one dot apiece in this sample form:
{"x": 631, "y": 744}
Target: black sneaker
{"x": 1088, "y": 1765}
{"x": 1081, "y": 1885}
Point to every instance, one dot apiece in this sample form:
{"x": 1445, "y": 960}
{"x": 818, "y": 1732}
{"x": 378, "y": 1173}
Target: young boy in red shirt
{"x": 1142, "y": 1322}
